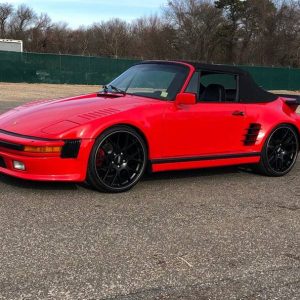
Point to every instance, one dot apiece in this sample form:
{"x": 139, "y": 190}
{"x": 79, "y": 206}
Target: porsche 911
{"x": 158, "y": 116}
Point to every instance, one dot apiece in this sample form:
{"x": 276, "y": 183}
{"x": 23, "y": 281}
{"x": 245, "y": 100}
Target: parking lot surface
{"x": 205, "y": 234}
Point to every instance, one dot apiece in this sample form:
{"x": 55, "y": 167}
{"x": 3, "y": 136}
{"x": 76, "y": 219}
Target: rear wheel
{"x": 117, "y": 160}
{"x": 280, "y": 151}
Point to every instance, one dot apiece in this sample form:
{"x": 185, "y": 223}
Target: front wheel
{"x": 280, "y": 151}
{"x": 117, "y": 160}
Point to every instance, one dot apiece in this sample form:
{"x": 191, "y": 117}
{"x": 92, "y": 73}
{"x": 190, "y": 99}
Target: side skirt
{"x": 181, "y": 163}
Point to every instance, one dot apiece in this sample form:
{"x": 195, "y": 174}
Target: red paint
{"x": 171, "y": 129}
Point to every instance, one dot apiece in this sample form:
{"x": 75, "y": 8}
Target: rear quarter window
{"x": 226, "y": 80}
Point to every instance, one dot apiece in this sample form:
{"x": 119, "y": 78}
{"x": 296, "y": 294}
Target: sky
{"x": 86, "y": 12}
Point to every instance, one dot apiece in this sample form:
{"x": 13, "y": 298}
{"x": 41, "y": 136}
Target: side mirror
{"x": 185, "y": 98}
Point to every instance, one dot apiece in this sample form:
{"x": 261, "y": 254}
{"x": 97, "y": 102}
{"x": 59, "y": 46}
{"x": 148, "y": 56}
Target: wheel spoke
{"x": 132, "y": 156}
{"x": 282, "y": 150}
{"x": 286, "y": 134}
{"x": 126, "y": 141}
{"x": 280, "y": 163}
{"x": 128, "y": 174}
{"x": 290, "y": 151}
{"x": 288, "y": 140}
{"x": 114, "y": 179}
{"x": 123, "y": 161}
{"x": 272, "y": 158}
{"x": 107, "y": 172}
{"x": 129, "y": 146}
{"x": 118, "y": 140}
{"x": 272, "y": 153}
{"x": 113, "y": 144}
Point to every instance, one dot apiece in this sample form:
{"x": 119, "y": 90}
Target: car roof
{"x": 201, "y": 66}
{"x": 217, "y": 68}
{"x": 249, "y": 90}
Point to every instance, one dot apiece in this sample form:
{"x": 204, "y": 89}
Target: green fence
{"x": 72, "y": 69}
{"x": 53, "y": 68}
{"x": 274, "y": 78}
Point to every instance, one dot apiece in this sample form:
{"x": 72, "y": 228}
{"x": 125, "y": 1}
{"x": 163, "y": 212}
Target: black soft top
{"x": 249, "y": 90}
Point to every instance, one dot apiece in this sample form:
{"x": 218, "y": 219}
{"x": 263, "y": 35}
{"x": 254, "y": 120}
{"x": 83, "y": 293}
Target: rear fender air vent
{"x": 98, "y": 113}
{"x": 252, "y": 134}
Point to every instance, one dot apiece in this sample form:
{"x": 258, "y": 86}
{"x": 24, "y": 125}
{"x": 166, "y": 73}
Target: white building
{"x": 11, "y": 45}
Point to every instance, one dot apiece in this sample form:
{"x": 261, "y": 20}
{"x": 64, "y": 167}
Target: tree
{"x": 152, "y": 39}
{"x": 255, "y": 34}
{"x": 234, "y": 10}
{"x": 38, "y": 34}
{"x": 6, "y": 11}
{"x": 197, "y": 24}
{"x": 264, "y": 32}
{"x": 22, "y": 18}
{"x": 113, "y": 38}
{"x": 287, "y": 34}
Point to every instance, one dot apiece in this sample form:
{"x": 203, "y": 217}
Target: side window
{"x": 218, "y": 87}
{"x": 193, "y": 86}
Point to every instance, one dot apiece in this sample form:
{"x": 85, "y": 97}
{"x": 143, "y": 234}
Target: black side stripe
{"x": 203, "y": 158}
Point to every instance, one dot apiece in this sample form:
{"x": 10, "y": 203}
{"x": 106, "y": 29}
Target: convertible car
{"x": 158, "y": 115}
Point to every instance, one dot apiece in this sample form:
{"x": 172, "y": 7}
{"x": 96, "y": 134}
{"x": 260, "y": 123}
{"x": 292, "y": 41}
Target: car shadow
{"x": 181, "y": 174}
{"x": 42, "y": 185}
{"x": 161, "y": 176}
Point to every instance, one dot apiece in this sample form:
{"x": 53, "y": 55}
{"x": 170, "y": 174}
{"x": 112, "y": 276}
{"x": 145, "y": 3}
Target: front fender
{"x": 147, "y": 121}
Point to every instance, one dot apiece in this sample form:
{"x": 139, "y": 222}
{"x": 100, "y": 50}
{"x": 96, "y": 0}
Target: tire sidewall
{"x": 92, "y": 175}
{"x": 264, "y": 159}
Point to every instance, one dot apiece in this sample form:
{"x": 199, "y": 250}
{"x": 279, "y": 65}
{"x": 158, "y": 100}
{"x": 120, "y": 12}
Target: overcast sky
{"x": 85, "y": 12}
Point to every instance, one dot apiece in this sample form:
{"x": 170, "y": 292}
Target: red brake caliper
{"x": 100, "y": 158}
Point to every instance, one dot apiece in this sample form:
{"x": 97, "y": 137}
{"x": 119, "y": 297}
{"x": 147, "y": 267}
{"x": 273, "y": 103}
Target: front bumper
{"x": 42, "y": 167}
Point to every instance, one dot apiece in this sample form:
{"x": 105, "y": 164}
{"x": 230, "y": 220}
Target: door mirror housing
{"x": 185, "y": 98}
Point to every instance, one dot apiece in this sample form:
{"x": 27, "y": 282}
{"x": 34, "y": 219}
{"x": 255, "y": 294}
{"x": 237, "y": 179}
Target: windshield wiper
{"x": 106, "y": 88}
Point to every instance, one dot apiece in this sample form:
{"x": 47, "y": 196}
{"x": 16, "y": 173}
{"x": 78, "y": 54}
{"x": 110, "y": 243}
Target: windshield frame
{"x": 187, "y": 70}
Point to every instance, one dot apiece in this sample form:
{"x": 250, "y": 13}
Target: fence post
{"x": 60, "y": 77}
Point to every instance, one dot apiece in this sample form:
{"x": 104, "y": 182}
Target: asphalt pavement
{"x": 206, "y": 234}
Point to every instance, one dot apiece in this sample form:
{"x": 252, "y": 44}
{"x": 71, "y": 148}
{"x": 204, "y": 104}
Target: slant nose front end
{"x": 43, "y": 159}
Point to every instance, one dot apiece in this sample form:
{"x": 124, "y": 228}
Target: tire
{"x": 118, "y": 160}
{"x": 280, "y": 152}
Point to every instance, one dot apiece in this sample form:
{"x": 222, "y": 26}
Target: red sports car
{"x": 161, "y": 115}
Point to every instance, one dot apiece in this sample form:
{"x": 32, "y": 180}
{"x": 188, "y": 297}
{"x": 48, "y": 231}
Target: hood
{"x": 38, "y": 118}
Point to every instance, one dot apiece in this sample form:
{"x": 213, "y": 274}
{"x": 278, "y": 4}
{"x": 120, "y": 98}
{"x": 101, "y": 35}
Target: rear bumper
{"x": 46, "y": 167}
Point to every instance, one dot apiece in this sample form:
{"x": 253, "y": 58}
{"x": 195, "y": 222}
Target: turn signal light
{"x": 46, "y": 149}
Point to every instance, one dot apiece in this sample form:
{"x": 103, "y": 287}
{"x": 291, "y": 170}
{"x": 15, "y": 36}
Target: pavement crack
{"x": 292, "y": 208}
{"x": 292, "y": 256}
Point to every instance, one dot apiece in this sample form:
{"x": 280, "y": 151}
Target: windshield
{"x": 159, "y": 81}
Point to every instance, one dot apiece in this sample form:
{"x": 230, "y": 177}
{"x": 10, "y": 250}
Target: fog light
{"x": 18, "y": 165}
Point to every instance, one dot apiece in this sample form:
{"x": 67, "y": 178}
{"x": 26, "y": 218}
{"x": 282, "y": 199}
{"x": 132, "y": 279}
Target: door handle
{"x": 238, "y": 113}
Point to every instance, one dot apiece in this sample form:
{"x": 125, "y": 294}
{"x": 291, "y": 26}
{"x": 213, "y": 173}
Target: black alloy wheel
{"x": 280, "y": 151}
{"x": 118, "y": 160}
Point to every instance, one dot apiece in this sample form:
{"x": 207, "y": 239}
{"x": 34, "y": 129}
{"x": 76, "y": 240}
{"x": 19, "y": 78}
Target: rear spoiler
{"x": 290, "y": 99}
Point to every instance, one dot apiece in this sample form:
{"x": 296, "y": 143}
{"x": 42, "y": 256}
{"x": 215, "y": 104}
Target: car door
{"x": 209, "y": 127}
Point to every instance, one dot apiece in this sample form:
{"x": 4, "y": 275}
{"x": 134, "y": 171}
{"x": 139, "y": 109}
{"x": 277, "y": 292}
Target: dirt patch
{"x": 27, "y": 92}
{"x": 286, "y": 92}
{"x": 24, "y": 92}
